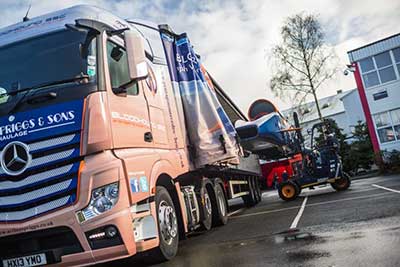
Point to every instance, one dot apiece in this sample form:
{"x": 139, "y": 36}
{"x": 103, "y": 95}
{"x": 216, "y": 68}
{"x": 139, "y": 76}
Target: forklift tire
{"x": 342, "y": 183}
{"x": 250, "y": 200}
{"x": 168, "y": 231}
{"x": 288, "y": 190}
{"x": 220, "y": 217}
{"x": 206, "y": 223}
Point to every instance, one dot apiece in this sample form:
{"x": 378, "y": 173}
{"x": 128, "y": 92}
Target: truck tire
{"x": 258, "y": 189}
{"x": 206, "y": 223}
{"x": 288, "y": 190}
{"x": 250, "y": 200}
{"x": 342, "y": 183}
{"x": 220, "y": 217}
{"x": 168, "y": 231}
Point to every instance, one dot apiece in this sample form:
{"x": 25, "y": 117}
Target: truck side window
{"x": 154, "y": 39}
{"x": 118, "y": 67}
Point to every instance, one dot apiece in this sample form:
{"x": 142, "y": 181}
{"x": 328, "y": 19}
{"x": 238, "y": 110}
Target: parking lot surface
{"x": 357, "y": 227}
{"x": 322, "y": 227}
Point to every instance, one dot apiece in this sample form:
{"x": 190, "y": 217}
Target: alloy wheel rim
{"x": 222, "y": 205}
{"x": 207, "y": 203}
{"x": 167, "y": 221}
{"x": 288, "y": 191}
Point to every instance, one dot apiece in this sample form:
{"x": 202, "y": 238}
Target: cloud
{"x": 235, "y": 37}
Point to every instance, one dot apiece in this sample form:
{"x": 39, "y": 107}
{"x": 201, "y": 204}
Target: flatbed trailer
{"x": 97, "y": 159}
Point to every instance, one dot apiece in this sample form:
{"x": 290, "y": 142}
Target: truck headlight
{"x": 103, "y": 199}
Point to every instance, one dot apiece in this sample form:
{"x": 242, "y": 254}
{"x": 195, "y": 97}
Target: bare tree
{"x": 302, "y": 61}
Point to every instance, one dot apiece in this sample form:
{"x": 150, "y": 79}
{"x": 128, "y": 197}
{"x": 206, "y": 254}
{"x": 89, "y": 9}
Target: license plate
{"x": 26, "y": 261}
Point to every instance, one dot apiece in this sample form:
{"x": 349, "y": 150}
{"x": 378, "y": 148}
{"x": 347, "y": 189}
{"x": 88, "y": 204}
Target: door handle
{"x": 148, "y": 137}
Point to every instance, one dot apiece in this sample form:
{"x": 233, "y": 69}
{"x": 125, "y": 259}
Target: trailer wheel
{"x": 250, "y": 200}
{"x": 258, "y": 190}
{"x": 206, "y": 223}
{"x": 342, "y": 183}
{"x": 167, "y": 227}
{"x": 220, "y": 217}
{"x": 288, "y": 190}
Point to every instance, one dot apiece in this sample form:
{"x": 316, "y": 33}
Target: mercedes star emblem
{"x": 15, "y": 158}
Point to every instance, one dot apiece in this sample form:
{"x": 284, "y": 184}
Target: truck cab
{"x": 77, "y": 130}
{"x": 95, "y": 160}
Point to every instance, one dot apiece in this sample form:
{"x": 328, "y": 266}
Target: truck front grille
{"x": 49, "y": 183}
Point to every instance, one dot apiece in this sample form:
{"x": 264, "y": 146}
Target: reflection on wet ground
{"x": 296, "y": 235}
{"x": 356, "y": 244}
{"x": 375, "y": 243}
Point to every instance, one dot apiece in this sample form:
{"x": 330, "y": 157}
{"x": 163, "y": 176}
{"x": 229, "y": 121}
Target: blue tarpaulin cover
{"x": 210, "y": 131}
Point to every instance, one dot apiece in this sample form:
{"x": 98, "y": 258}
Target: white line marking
{"x": 266, "y": 212}
{"x": 345, "y": 199}
{"x": 309, "y": 205}
{"x": 270, "y": 194}
{"x": 298, "y": 216}
{"x": 385, "y": 188}
{"x": 235, "y": 212}
{"x": 49, "y": 127}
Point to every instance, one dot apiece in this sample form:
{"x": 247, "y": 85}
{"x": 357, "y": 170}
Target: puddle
{"x": 297, "y": 235}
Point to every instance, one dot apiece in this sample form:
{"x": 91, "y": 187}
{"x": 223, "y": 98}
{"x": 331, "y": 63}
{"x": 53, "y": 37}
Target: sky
{"x": 235, "y": 37}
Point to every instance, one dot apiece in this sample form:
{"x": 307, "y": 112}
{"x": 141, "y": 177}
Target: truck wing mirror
{"x": 136, "y": 55}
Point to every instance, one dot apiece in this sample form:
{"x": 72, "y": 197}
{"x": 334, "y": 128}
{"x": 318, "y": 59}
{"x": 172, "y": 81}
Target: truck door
{"x": 155, "y": 98}
{"x": 130, "y": 120}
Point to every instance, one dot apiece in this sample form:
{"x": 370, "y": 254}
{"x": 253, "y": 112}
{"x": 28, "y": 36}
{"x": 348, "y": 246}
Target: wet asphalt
{"x": 357, "y": 227}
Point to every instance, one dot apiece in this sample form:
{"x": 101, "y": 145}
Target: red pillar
{"x": 367, "y": 112}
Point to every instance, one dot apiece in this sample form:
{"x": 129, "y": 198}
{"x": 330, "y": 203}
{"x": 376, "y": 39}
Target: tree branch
{"x": 301, "y": 60}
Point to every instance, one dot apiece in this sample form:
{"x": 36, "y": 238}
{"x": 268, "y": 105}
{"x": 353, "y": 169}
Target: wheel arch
{"x": 166, "y": 181}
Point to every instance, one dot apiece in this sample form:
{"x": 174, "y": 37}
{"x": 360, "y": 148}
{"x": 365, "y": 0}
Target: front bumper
{"x": 59, "y": 232}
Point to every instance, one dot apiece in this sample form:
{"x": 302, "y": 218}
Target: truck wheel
{"x": 206, "y": 223}
{"x": 342, "y": 183}
{"x": 250, "y": 200}
{"x": 288, "y": 191}
{"x": 220, "y": 217}
{"x": 167, "y": 227}
{"x": 258, "y": 190}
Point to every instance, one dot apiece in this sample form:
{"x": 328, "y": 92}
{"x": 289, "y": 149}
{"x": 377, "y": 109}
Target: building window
{"x": 397, "y": 131}
{"x": 396, "y": 55}
{"x": 386, "y": 135}
{"x": 388, "y": 125}
{"x": 382, "y": 119}
{"x": 385, "y": 67}
{"x": 371, "y": 79}
{"x": 380, "y": 68}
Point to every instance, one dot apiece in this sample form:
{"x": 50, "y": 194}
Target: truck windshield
{"x": 58, "y": 56}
